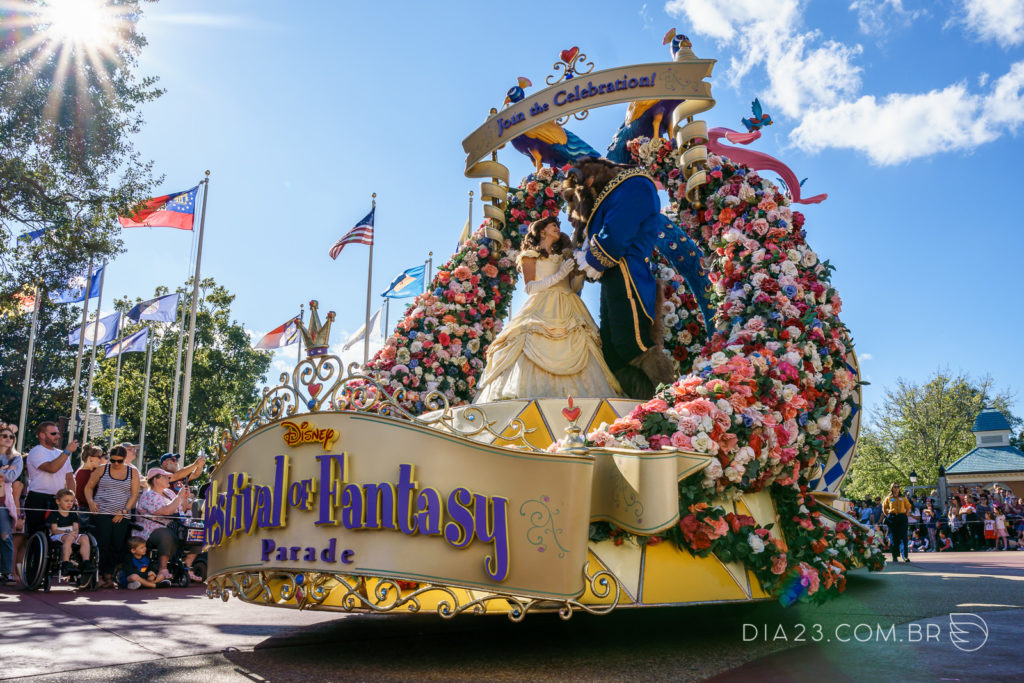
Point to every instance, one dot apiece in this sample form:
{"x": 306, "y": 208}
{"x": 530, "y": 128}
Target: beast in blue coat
{"x": 616, "y": 213}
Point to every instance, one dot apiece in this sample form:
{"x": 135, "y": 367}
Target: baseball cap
{"x": 165, "y": 456}
{"x": 128, "y": 444}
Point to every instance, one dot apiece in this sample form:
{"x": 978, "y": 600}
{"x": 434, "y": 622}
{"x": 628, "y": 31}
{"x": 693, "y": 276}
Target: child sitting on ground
{"x": 135, "y": 572}
{"x": 945, "y": 545}
{"x": 920, "y": 542}
{"x": 64, "y": 529}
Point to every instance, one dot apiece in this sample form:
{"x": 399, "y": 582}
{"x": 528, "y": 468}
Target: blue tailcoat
{"x": 622, "y": 232}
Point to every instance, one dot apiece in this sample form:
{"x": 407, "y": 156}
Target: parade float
{"x": 385, "y": 489}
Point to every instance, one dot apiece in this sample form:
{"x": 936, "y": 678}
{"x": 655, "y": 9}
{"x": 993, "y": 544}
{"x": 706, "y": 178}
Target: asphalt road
{"x": 901, "y": 615}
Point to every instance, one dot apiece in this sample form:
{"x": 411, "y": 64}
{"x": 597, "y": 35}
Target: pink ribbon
{"x": 757, "y": 161}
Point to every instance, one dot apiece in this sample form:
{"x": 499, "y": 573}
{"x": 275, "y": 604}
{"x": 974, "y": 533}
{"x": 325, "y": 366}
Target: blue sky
{"x": 906, "y": 113}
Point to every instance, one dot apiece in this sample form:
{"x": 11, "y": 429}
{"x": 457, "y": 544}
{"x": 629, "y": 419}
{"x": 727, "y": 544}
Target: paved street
{"x": 175, "y": 635}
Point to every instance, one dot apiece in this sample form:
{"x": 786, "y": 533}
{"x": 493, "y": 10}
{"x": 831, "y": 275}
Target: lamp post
{"x": 913, "y": 477}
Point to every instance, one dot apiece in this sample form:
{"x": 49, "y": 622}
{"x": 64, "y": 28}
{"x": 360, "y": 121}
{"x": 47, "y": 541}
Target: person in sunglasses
{"x": 49, "y": 471}
{"x": 10, "y": 469}
{"x": 111, "y": 494}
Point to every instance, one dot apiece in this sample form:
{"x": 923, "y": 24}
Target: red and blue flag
{"x": 175, "y": 210}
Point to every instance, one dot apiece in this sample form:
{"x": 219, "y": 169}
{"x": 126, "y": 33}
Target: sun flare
{"x": 90, "y": 24}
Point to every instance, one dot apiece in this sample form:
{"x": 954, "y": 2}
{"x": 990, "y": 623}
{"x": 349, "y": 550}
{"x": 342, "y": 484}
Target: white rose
{"x": 825, "y": 423}
{"x": 809, "y": 258}
{"x": 713, "y": 470}
{"x": 724, "y": 406}
{"x": 793, "y": 255}
{"x": 707, "y": 423}
{"x": 701, "y": 442}
{"x": 788, "y": 392}
{"x": 744, "y": 455}
{"x": 756, "y": 544}
{"x": 789, "y": 268}
{"x": 718, "y": 358}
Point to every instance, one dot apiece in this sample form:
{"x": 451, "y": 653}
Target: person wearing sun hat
{"x": 157, "y": 507}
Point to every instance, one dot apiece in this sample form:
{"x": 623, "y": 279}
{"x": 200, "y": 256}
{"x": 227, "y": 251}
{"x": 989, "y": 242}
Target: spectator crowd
{"x": 139, "y": 523}
{"x": 972, "y": 518}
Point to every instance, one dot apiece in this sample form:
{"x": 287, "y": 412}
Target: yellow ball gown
{"x": 550, "y": 349}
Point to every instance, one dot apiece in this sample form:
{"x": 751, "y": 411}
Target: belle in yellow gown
{"x": 551, "y": 348}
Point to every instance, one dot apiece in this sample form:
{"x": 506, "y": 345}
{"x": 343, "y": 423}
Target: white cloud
{"x": 817, "y": 82}
{"x": 900, "y": 127}
{"x": 865, "y": 356}
{"x": 803, "y": 71}
{"x": 877, "y": 17}
{"x": 1001, "y": 21}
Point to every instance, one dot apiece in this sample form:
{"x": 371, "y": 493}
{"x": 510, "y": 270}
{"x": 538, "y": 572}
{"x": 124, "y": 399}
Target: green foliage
{"x": 52, "y": 370}
{"x": 920, "y": 427}
{"x": 67, "y": 162}
{"x": 226, "y": 372}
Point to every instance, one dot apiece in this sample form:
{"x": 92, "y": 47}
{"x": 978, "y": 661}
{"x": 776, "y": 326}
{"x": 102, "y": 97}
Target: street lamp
{"x": 913, "y": 477}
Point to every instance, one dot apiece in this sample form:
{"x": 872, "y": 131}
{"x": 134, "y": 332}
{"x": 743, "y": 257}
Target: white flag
{"x": 376, "y": 330}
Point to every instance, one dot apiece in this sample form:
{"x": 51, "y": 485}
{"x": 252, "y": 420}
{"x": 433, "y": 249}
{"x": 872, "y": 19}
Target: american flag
{"x": 361, "y": 234}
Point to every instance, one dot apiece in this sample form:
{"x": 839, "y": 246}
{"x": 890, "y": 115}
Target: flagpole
{"x": 430, "y": 271}
{"x": 177, "y": 376}
{"x": 387, "y": 318}
{"x": 190, "y": 352}
{"x": 81, "y": 347}
{"x": 302, "y": 317}
{"x": 369, "y": 280}
{"x": 23, "y": 416}
{"x": 92, "y": 363}
{"x": 145, "y": 400}
{"x": 117, "y": 387}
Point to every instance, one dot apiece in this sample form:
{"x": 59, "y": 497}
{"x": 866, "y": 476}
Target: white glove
{"x": 535, "y": 286}
{"x": 581, "y": 261}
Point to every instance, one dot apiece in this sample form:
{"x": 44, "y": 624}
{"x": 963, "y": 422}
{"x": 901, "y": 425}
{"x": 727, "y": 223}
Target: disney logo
{"x": 298, "y": 434}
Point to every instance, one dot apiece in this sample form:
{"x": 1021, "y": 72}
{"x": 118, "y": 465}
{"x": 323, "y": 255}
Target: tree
{"x": 52, "y": 369}
{"x": 919, "y": 428}
{"x": 226, "y": 373}
{"x": 68, "y": 111}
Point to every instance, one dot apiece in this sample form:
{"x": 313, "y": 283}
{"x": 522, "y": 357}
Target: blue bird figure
{"x": 647, "y": 118}
{"x": 547, "y": 143}
{"x": 759, "y": 118}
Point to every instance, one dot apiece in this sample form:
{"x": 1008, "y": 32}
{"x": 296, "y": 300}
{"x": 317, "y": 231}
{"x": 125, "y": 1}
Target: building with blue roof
{"x": 993, "y": 459}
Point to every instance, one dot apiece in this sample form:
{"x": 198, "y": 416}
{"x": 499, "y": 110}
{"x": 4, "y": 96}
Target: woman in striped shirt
{"x": 111, "y": 493}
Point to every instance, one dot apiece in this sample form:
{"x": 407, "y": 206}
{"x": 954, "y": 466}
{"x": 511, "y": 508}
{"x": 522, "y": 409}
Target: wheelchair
{"x": 190, "y": 534}
{"x": 41, "y": 567}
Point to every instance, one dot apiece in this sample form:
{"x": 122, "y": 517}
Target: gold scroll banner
{"x": 681, "y": 80}
{"x": 535, "y": 508}
{"x": 638, "y": 490}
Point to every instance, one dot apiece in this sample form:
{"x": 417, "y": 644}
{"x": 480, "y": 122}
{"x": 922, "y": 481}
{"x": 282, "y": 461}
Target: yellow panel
{"x": 604, "y": 414}
{"x": 674, "y": 576}
{"x": 761, "y": 507}
{"x": 532, "y": 419}
{"x": 588, "y": 597}
{"x": 755, "y": 587}
{"x": 624, "y": 562}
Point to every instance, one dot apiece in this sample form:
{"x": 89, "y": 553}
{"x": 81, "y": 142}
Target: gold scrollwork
{"x": 569, "y": 68}
{"x": 304, "y": 590}
{"x": 322, "y": 383}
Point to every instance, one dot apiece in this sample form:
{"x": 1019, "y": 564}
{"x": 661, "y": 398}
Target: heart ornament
{"x": 572, "y": 413}
{"x": 314, "y": 388}
{"x": 570, "y": 54}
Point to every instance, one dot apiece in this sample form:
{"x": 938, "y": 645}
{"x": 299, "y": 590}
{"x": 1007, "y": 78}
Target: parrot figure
{"x": 548, "y": 143}
{"x": 758, "y": 119}
{"x": 650, "y": 118}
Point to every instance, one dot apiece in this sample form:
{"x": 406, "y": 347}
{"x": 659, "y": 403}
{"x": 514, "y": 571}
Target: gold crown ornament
{"x": 316, "y": 336}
